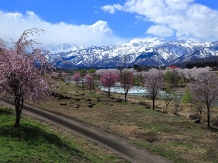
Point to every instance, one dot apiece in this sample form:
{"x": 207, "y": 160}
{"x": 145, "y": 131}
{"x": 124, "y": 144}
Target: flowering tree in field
{"x": 192, "y": 74}
{"x": 23, "y": 71}
{"x": 154, "y": 80}
{"x": 205, "y": 90}
{"x": 89, "y": 81}
{"x": 101, "y": 71}
{"x": 82, "y": 74}
{"x": 127, "y": 81}
{"x": 76, "y": 78}
{"x": 108, "y": 79}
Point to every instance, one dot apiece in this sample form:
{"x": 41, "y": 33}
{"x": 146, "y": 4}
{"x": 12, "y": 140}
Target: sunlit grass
{"x": 35, "y": 142}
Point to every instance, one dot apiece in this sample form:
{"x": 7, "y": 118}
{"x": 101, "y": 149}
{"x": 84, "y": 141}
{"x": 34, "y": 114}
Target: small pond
{"x": 135, "y": 90}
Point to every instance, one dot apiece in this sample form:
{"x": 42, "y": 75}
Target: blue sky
{"x": 110, "y": 22}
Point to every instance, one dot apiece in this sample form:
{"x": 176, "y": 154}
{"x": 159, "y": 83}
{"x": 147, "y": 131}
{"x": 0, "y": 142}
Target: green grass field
{"x": 37, "y": 142}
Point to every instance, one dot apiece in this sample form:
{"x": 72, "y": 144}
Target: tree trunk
{"x": 153, "y": 101}
{"x": 208, "y": 116}
{"x": 18, "y": 108}
{"x": 166, "y": 106}
{"x": 125, "y": 96}
{"x": 108, "y": 92}
{"x": 200, "y": 112}
{"x": 17, "y": 121}
{"x": 90, "y": 88}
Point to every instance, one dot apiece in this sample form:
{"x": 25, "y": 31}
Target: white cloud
{"x": 185, "y": 17}
{"x": 111, "y": 8}
{"x": 99, "y": 33}
{"x": 160, "y": 30}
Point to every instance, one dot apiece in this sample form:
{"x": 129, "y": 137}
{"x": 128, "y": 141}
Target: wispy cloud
{"x": 112, "y": 8}
{"x": 184, "y": 19}
{"x": 99, "y": 33}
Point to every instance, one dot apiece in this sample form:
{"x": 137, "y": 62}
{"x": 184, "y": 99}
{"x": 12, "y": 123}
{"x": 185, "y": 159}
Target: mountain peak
{"x": 147, "y": 52}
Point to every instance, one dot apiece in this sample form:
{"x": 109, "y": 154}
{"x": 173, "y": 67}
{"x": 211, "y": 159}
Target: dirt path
{"x": 119, "y": 146}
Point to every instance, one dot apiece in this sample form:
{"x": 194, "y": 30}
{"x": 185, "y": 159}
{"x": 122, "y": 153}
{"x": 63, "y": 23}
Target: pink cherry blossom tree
{"x": 76, "y": 77}
{"x": 89, "y": 81}
{"x": 24, "y": 71}
{"x": 108, "y": 79}
{"x": 154, "y": 80}
{"x": 205, "y": 90}
{"x": 126, "y": 81}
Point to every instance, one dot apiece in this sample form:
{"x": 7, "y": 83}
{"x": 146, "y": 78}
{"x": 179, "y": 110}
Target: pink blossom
{"x": 108, "y": 79}
{"x": 24, "y": 71}
{"x": 127, "y": 81}
{"x": 89, "y": 81}
{"x": 76, "y": 78}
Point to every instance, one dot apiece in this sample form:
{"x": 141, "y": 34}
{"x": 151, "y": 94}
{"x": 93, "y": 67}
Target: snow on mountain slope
{"x": 148, "y": 52}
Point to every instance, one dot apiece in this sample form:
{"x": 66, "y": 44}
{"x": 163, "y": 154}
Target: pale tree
{"x": 24, "y": 71}
{"x": 82, "y": 74}
{"x": 192, "y": 74}
{"x": 89, "y": 81}
{"x": 99, "y": 72}
{"x": 127, "y": 81}
{"x": 182, "y": 74}
{"x": 154, "y": 80}
{"x": 205, "y": 90}
{"x": 108, "y": 79}
{"x": 76, "y": 78}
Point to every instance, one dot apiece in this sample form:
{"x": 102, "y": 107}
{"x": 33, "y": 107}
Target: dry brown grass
{"x": 175, "y": 137}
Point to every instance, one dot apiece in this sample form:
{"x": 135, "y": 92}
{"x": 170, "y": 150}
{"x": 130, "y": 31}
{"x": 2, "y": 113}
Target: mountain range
{"x": 142, "y": 52}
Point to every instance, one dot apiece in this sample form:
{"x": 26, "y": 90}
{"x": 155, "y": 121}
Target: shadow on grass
{"x": 213, "y": 129}
{"x": 34, "y": 135}
{"x": 5, "y": 111}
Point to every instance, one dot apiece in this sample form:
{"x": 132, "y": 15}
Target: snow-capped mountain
{"x": 147, "y": 52}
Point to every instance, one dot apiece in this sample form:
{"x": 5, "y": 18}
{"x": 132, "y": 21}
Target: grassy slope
{"x": 175, "y": 137}
{"x": 36, "y": 142}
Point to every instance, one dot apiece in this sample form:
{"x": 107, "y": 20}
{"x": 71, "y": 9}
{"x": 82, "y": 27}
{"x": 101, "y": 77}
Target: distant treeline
{"x": 202, "y": 64}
